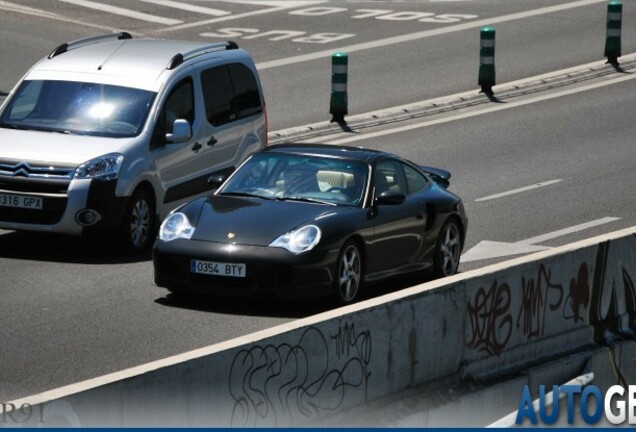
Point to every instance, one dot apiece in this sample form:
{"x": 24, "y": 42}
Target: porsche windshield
{"x": 289, "y": 177}
{"x": 78, "y": 108}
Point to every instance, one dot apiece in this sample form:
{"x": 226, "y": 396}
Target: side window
{"x": 218, "y": 95}
{"x": 178, "y": 105}
{"x": 247, "y": 96}
{"x": 389, "y": 177}
{"x": 26, "y": 102}
{"x": 414, "y": 180}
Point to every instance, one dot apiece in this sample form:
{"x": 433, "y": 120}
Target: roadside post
{"x": 613, "y": 37}
{"x": 339, "y": 101}
{"x": 487, "y": 59}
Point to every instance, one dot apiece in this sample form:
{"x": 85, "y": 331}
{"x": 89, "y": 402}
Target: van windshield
{"x": 78, "y": 108}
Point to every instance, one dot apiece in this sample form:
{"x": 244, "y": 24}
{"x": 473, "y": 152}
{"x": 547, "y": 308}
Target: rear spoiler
{"x": 440, "y": 176}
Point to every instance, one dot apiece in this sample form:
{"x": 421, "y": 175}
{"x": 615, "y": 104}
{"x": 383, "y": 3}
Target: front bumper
{"x": 60, "y": 209}
{"x": 273, "y": 272}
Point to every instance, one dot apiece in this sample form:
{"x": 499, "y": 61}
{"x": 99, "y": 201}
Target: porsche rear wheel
{"x": 349, "y": 274}
{"x": 447, "y": 250}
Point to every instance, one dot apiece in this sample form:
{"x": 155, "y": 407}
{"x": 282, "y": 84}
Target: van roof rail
{"x": 198, "y": 51}
{"x": 87, "y": 41}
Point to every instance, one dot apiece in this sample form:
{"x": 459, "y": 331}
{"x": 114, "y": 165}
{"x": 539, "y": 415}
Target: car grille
{"x": 35, "y": 171}
{"x": 49, "y": 182}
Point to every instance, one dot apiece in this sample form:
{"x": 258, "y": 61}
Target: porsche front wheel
{"x": 348, "y": 278}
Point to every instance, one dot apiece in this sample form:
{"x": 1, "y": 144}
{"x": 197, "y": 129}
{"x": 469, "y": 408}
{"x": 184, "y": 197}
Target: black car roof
{"x": 359, "y": 153}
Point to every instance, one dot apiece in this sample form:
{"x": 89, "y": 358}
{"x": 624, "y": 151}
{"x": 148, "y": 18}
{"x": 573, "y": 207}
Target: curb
{"x": 458, "y": 101}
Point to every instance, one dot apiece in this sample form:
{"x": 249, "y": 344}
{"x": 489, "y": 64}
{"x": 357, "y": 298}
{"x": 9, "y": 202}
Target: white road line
{"x": 12, "y": 7}
{"x": 123, "y": 12}
{"x": 276, "y": 3}
{"x": 427, "y": 33}
{"x": 188, "y": 7}
{"x": 285, "y": 6}
{"x": 490, "y": 109}
{"x": 519, "y": 190}
{"x": 574, "y": 229}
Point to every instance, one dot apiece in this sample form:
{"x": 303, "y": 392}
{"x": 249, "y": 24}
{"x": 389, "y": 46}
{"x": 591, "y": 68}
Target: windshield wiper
{"x": 305, "y": 199}
{"x": 245, "y": 194}
{"x": 14, "y": 126}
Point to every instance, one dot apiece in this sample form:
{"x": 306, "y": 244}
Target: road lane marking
{"x": 487, "y": 249}
{"x": 490, "y": 109}
{"x": 283, "y": 6}
{"x": 519, "y": 190}
{"x": 123, "y": 12}
{"x": 188, "y": 7}
{"x": 17, "y": 8}
{"x": 571, "y": 230}
{"x": 276, "y": 3}
{"x": 427, "y": 33}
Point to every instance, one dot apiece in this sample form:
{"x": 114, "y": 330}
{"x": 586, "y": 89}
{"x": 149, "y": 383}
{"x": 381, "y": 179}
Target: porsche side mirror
{"x": 215, "y": 181}
{"x": 390, "y": 198}
{"x": 181, "y": 132}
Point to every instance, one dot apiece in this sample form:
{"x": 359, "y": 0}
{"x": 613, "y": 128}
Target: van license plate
{"x": 21, "y": 201}
{"x": 218, "y": 268}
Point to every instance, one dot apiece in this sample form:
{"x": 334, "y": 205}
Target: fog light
{"x": 87, "y": 217}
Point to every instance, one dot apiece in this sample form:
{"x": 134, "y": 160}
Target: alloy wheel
{"x": 349, "y": 274}
{"x": 449, "y": 249}
{"x": 140, "y": 223}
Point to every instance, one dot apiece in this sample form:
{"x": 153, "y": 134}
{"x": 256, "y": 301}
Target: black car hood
{"x": 255, "y": 221}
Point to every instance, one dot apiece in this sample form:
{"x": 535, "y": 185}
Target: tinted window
{"x": 299, "y": 177}
{"x": 248, "y": 100}
{"x": 218, "y": 95}
{"x": 414, "y": 179}
{"x": 179, "y": 104}
{"x": 388, "y": 177}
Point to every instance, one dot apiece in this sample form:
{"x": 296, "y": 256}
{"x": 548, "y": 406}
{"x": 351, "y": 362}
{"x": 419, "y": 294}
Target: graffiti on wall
{"x": 279, "y": 384}
{"x": 539, "y": 296}
{"x": 608, "y": 303}
{"x": 613, "y": 298}
{"x": 490, "y": 319}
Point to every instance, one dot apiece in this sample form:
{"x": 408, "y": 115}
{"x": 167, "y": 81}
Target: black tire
{"x": 138, "y": 224}
{"x": 348, "y": 276}
{"x": 447, "y": 249}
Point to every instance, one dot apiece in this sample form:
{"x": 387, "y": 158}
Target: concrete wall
{"x": 476, "y": 325}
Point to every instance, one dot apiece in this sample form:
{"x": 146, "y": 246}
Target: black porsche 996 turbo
{"x": 300, "y": 220}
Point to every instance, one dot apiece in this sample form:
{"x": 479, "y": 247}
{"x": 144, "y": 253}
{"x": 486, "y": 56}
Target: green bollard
{"x": 487, "y": 59}
{"x": 613, "y": 37}
{"x": 339, "y": 101}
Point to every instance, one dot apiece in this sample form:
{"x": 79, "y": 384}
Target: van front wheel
{"x": 138, "y": 225}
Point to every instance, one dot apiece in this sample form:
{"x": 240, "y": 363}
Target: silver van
{"x": 108, "y": 134}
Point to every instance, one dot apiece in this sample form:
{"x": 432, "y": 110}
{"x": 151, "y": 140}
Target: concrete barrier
{"x": 473, "y": 326}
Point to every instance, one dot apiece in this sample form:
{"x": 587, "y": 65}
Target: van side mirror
{"x": 181, "y": 132}
{"x": 216, "y": 180}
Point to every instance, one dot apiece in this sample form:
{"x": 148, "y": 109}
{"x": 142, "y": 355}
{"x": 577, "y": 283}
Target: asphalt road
{"x": 72, "y": 311}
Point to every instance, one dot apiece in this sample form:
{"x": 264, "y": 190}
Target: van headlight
{"x": 175, "y": 226}
{"x": 103, "y": 168}
{"x": 300, "y": 240}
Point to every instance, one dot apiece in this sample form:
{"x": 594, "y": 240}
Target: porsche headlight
{"x": 175, "y": 226}
{"x": 104, "y": 167}
{"x": 300, "y": 240}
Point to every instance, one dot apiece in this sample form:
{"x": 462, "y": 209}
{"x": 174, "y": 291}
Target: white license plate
{"x": 21, "y": 201}
{"x": 218, "y": 268}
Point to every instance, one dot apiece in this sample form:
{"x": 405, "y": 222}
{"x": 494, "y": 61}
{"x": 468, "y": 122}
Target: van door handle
{"x": 196, "y": 147}
{"x": 212, "y": 141}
